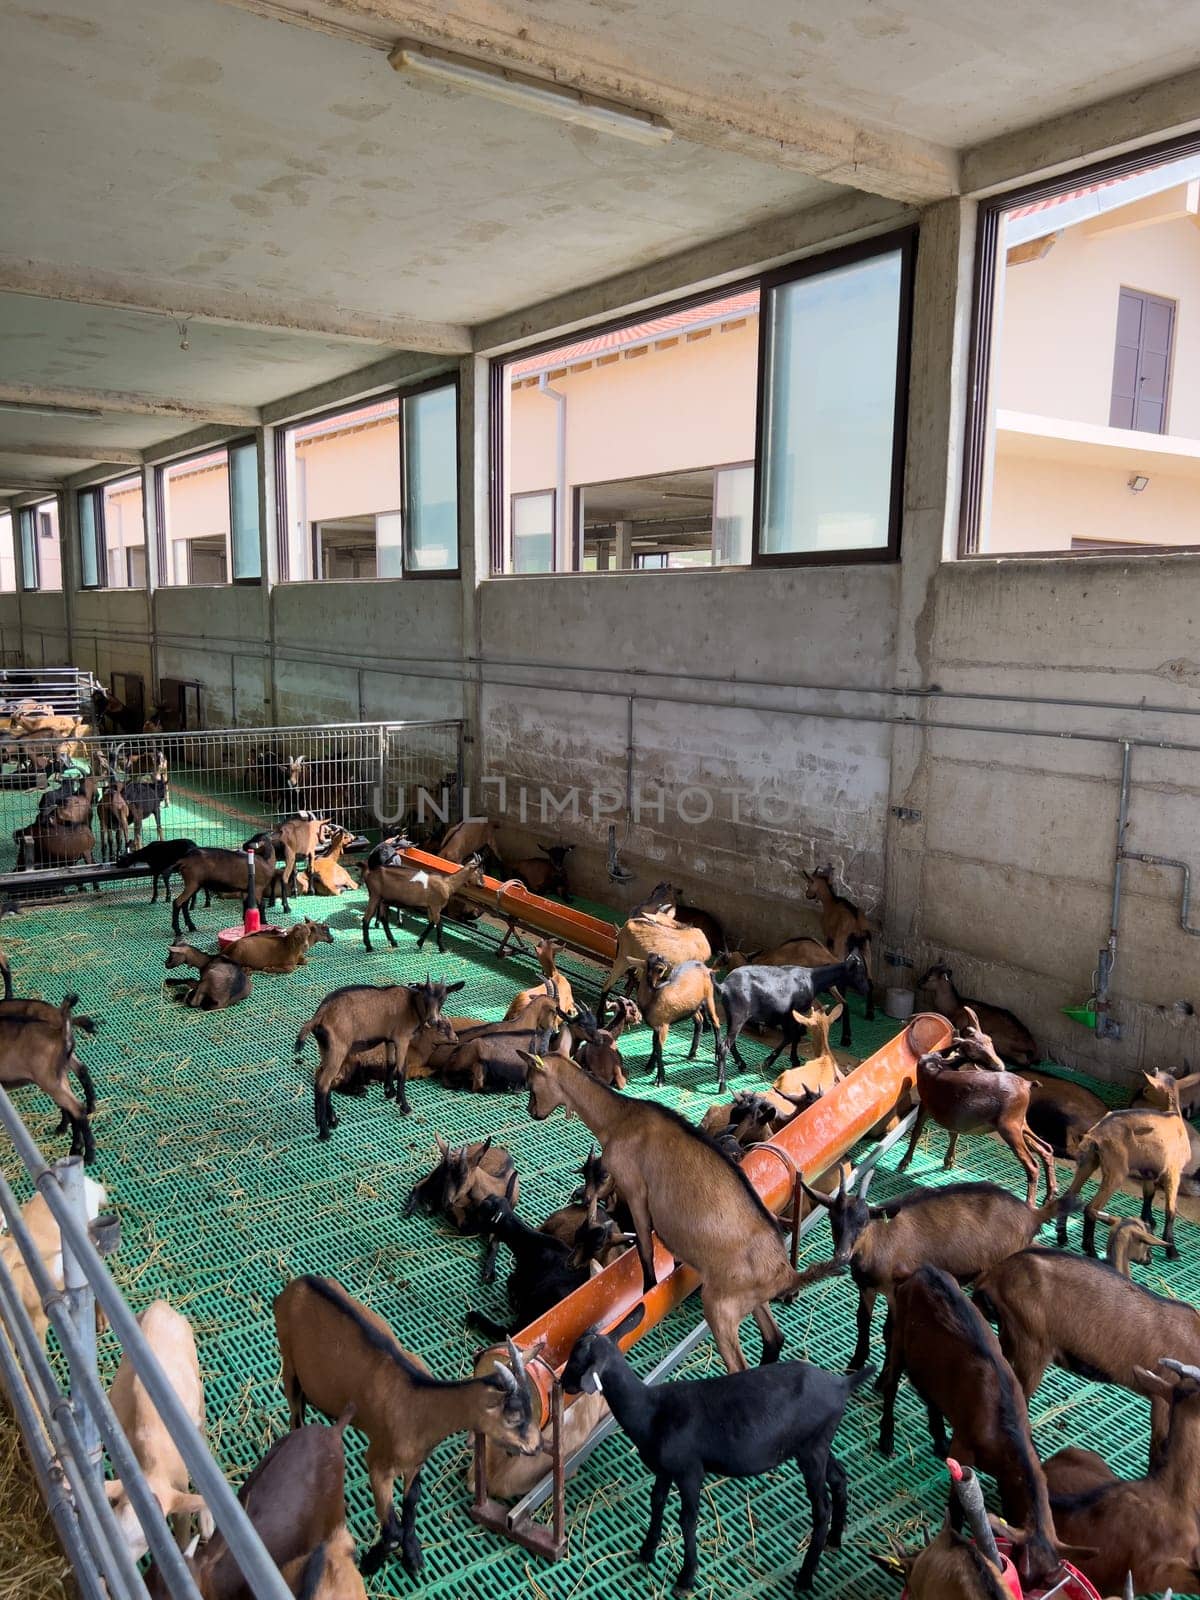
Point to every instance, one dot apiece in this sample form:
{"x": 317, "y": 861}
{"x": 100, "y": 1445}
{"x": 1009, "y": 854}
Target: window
{"x": 209, "y": 519}
{"x": 8, "y": 559}
{"x": 372, "y": 492}
{"x": 41, "y": 557}
{"x": 664, "y": 442}
{"x": 112, "y": 535}
{"x": 834, "y": 380}
{"x": 1084, "y": 432}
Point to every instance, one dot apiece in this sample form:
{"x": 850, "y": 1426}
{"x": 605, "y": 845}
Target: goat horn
{"x": 518, "y": 1364}
{"x": 1181, "y": 1368}
{"x": 501, "y": 1372}
{"x": 865, "y": 1183}
{"x": 1127, "y": 1592}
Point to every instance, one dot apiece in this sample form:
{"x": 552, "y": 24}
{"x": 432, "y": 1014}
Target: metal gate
{"x": 66, "y": 690}
{"x": 218, "y": 787}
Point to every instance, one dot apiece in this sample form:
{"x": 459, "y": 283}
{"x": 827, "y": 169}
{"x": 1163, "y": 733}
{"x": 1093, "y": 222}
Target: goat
{"x": 47, "y": 843}
{"x": 1187, "y": 1085}
{"x": 749, "y": 1117}
{"x": 298, "y": 837}
{"x": 1150, "y": 1146}
{"x": 511, "y": 1477}
{"x": 337, "y": 1353}
{"x": 948, "y": 1568}
{"x": 739, "y": 1426}
{"x": 799, "y": 951}
{"x": 414, "y": 890}
{"x": 327, "y": 1573}
{"x": 162, "y": 858}
{"x": 475, "y": 836}
{"x": 43, "y": 1011}
{"x": 666, "y": 897}
{"x": 545, "y": 1269}
{"x": 273, "y": 950}
{"x": 954, "y": 1362}
{"x": 361, "y": 1015}
{"x": 649, "y": 934}
{"x": 822, "y": 1070}
{"x": 35, "y": 1049}
{"x": 843, "y": 926}
{"x": 595, "y": 1048}
{"x": 1052, "y": 1306}
{"x": 113, "y": 813}
{"x": 170, "y": 1337}
{"x": 966, "y": 1089}
{"x": 963, "y": 1229}
{"x": 39, "y": 1221}
{"x": 772, "y": 995}
{"x": 276, "y": 778}
{"x": 295, "y": 1499}
{"x": 463, "y": 1179}
{"x": 564, "y": 1224}
{"x": 326, "y": 875}
{"x": 1149, "y": 1527}
{"x": 660, "y": 1164}
{"x": 145, "y": 798}
{"x": 489, "y": 1056}
{"x": 1061, "y": 1112}
{"x": 226, "y": 872}
{"x": 1011, "y": 1038}
{"x": 667, "y": 994}
{"x": 561, "y": 985}
{"x": 222, "y": 983}
{"x": 544, "y": 876}
{"x": 1129, "y": 1240}
{"x": 71, "y": 802}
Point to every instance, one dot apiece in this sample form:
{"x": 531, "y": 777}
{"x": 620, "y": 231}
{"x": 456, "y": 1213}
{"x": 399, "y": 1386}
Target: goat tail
{"x": 482, "y": 1324}
{"x": 803, "y": 1280}
{"x": 87, "y": 1024}
{"x": 855, "y": 1380}
{"x": 304, "y": 1033}
{"x": 69, "y": 1002}
{"x": 346, "y": 1418}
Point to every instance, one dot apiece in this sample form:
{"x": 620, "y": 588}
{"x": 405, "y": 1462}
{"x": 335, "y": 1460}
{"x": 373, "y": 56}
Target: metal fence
{"x": 66, "y": 1420}
{"x": 217, "y": 788}
{"x": 67, "y": 690}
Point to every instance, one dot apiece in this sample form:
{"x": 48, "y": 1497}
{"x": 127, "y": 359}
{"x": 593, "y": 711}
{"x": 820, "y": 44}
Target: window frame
{"x": 905, "y": 241}
{"x": 537, "y": 494}
{"x": 160, "y": 502}
{"x": 979, "y": 354}
{"x": 30, "y": 512}
{"x": 99, "y": 525}
{"x": 442, "y": 380}
{"x": 31, "y": 509}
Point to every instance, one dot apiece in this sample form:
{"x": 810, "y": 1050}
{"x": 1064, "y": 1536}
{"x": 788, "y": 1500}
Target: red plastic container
{"x": 1077, "y": 1586}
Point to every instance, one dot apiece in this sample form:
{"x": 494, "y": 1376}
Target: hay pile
{"x": 32, "y": 1565}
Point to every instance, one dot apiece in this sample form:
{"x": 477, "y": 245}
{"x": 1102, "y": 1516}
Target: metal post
{"x": 1106, "y": 1026}
{"x": 81, "y": 1303}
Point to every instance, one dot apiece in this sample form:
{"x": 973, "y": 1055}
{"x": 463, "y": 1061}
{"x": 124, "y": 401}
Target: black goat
{"x": 544, "y": 1268}
{"x": 739, "y": 1426}
{"x": 161, "y": 857}
{"x": 769, "y": 995}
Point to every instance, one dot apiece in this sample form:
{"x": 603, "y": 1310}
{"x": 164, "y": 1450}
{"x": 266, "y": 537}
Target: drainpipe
{"x": 561, "y": 562}
{"x": 1106, "y": 1025}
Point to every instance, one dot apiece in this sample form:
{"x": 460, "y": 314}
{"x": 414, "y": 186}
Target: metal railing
{"x": 219, "y": 786}
{"x": 67, "y": 690}
{"x": 67, "y": 1429}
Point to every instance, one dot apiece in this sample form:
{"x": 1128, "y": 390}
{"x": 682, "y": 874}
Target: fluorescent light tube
{"x": 36, "y": 408}
{"x": 530, "y": 94}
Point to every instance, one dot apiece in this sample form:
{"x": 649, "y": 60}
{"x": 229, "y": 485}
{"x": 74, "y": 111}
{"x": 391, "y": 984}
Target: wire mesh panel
{"x": 70, "y": 805}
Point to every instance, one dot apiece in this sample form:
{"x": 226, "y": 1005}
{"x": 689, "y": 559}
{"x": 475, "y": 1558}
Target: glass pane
{"x": 124, "y": 534}
{"x": 533, "y": 532}
{"x": 341, "y": 481}
{"x": 830, "y": 410}
{"x": 8, "y": 559}
{"x": 196, "y": 518}
{"x": 243, "y": 467}
{"x": 41, "y": 557}
{"x": 89, "y": 555}
{"x": 29, "y": 571}
{"x": 431, "y": 461}
{"x": 733, "y": 514}
{"x": 629, "y": 427}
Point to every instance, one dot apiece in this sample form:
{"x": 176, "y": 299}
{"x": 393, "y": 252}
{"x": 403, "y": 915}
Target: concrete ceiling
{"x": 257, "y": 168}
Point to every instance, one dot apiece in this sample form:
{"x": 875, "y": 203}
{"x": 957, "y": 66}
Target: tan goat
{"x": 39, "y": 1219}
{"x": 651, "y": 934}
{"x": 564, "y": 995}
{"x": 273, "y": 950}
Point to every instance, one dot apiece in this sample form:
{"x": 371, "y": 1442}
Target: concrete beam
{"x": 162, "y": 297}
{"x": 122, "y": 403}
{"x": 797, "y": 135}
{"x": 1160, "y": 111}
{"x": 707, "y": 266}
{"x": 392, "y": 373}
{"x": 16, "y": 483}
{"x": 74, "y": 452}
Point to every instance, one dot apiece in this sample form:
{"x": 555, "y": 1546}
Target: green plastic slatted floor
{"x": 207, "y": 1146}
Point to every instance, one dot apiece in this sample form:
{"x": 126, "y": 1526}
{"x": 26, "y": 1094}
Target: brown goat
{"x": 665, "y": 897}
{"x": 225, "y": 872}
{"x": 964, "y": 1229}
{"x": 1149, "y": 1527}
{"x": 966, "y": 1089}
{"x": 273, "y": 950}
{"x": 326, "y": 875}
{"x": 1011, "y": 1038}
{"x": 338, "y": 1353}
{"x": 354, "y": 1018}
{"x": 798, "y": 952}
{"x": 327, "y": 1573}
{"x": 1054, "y": 1307}
{"x": 47, "y": 843}
{"x": 1061, "y": 1112}
{"x": 463, "y": 1178}
{"x": 1129, "y": 1240}
{"x": 413, "y": 889}
{"x": 222, "y": 983}
{"x": 466, "y": 839}
{"x": 40, "y": 1049}
{"x": 1147, "y": 1145}
{"x": 563, "y": 993}
{"x": 822, "y": 1069}
{"x": 954, "y": 1362}
{"x": 650, "y": 934}
{"x": 667, "y": 994}
{"x": 113, "y": 814}
{"x": 490, "y": 1056}
{"x": 841, "y": 921}
{"x": 595, "y": 1048}
{"x": 660, "y": 1164}
{"x": 948, "y": 1568}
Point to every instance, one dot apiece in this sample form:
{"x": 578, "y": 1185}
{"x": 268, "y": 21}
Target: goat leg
{"x": 658, "y": 1505}
{"x": 86, "y": 1084}
{"x": 918, "y": 1129}
{"x": 697, "y": 1030}
{"x": 383, "y": 1487}
{"x": 862, "y": 1347}
{"x": 1170, "y": 1196}
{"x": 835, "y": 1478}
{"x": 410, "y": 1545}
{"x": 689, "y": 1515}
{"x": 819, "y": 1499}
{"x": 952, "y": 1150}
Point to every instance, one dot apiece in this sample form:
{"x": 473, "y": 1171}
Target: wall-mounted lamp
{"x": 1138, "y": 482}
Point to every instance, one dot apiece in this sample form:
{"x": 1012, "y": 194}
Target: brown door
{"x": 1142, "y": 362}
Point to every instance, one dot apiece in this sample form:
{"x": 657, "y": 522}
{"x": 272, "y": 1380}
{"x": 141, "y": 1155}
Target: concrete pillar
{"x": 268, "y": 547}
{"x": 624, "y": 543}
{"x": 153, "y": 534}
{"x": 474, "y": 554}
{"x": 68, "y": 544}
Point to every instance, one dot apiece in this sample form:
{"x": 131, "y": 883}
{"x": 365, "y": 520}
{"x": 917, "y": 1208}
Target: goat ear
{"x": 442, "y": 1144}
{"x": 532, "y": 1062}
{"x": 835, "y": 1013}
{"x": 804, "y": 1018}
{"x": 1151, "y": 1385}
{"x": 453, "y": 988}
